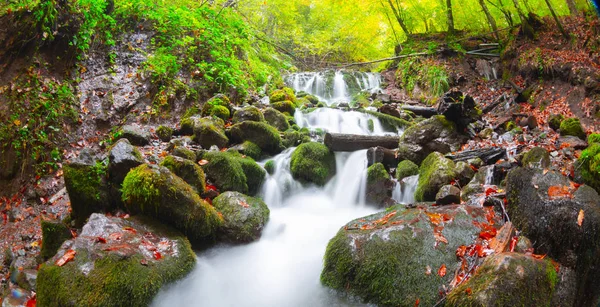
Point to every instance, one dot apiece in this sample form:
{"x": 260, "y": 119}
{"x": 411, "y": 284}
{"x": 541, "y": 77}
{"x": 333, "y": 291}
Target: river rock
{"x": 464, "y": 173}
{"x": 448, "y": 194}
{"x": 219, "y": 106}
{"x": 434, "y": 134}
{"x": 156, "y": 192}
{"x": 249, "y": 149}
{"x": 283, "y": 94}
{"x": 116, "y": 262}
{"x": 54, "y": 233}
{"x": 276, "y": 119}
{"x": 230, "y": 171}
{"x": 244, "y": 217}
{"x": 164, "y": 133}
{"x": 379, "y": 185}
{"x": 313, "y": 163}
{"x": 136, "y": 135}
{"x": 435, "y": 172}
{"x": 248, "y": 113}
{"x": 187, "y": 170}
{"x": 209, "y": 131}
{"x": 261, "y": 134}
{"x": 536, "y": 157}
{"x": 555, "y": 120}
{"x": 384, "y": 258}
{"x": 405, "y": 169}
{"x": 571, "y": 142}
{"x": 459, "y": 108}
{"x": 184, "y": 152}
{"x": 563, "y": 223}
{"x": 572, "y": 126}
{"x": 122, "y": 157}
{"x": 284, "y": 107}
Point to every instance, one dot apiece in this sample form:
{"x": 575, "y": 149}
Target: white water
{"x": 404, "y": 191}
{"x": 283, "y": 267}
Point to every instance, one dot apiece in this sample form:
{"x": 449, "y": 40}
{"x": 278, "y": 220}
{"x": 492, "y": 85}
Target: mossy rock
{"x": 244, "y": 217}
{"x": 379, "y": 185}
{"x": 220, "y": 112}
{"x": 218, "y": 100}
{"x": 270, "y": 167}
{"x": 293, "y": 138}
{"x": 248, "y": 149}
{"x": 285, "y": 106}
{"x": 187, "y": 170}
{"x": 312, "y": 99}
{"x": 301, "y": 102}
{"x": 210, "y": 131}
{"x": 383, "y": 258}
{"x": 53, "y": 236}
{"x": 158, "y": 193}
{"x": 406, "y": 168}
{"x": 283, "y": 94}
{"x": 164, "y": 133}
{"x": 593, "y": 138}
{"x": 229, "y": 171}
{"x": 587, "y": 166}
{"x": 387, "y": 121}
{"x": 276, "y": 119}
{"x": 555, "y": 120}
{"x": 248, "y": 113}
{"x": 261, "y": 134}
{"x": 537, "y": 157}
{"x": 186, "y": 125}
{"x": 435, "y": 172}
{"x": 464, "y": 173}
{"x": 508, "y": 279}
{"x": 572, "y": 126}
{"x": 185, "y": 153}
{"x": 138, "y": 136}
{"x": 119, "y": 272}
{"x": 313, "y": 163}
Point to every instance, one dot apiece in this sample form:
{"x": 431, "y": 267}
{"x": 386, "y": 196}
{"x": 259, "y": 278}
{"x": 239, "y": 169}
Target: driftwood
{"x": 421, "y": 111}
{"x": 351, "y": 142}
{"x": 488, "y": 155}
{"x": 382, "y": 155}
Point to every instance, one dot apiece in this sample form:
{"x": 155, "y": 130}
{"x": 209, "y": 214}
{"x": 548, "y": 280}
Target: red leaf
{"x": 31, "y": 302}
{"x": 210, "y": 187}
{"x": 100, "y": 240}
{"x": 442, "y": 270}
{"x": 157, "y": 255}
{"x": 68, "y": 256}
{"x": 490, "y": 191}
{"x": 417, "y": 303}
{"x": 115, "y": 236}
{"x": 244, "y": 204}
{"x": 468, "y": 291}
{"x": 559, "y": 191}
{"x": 461, "y": 251}
{"x": 130, "y": 230}
{"x": 513, "y": 243}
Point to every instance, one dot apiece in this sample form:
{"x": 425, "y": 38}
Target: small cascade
{"x": 281, "y": 182}
{"x": 350, "y": 185}
{"x": 338, "y": 121}
{"x": 404, "y": 191}
{"x": 489, "y": 176}
{"x": 340, "y": 88}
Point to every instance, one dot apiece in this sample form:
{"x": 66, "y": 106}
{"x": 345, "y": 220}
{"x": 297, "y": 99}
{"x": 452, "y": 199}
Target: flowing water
{"x": 283, "y": 267}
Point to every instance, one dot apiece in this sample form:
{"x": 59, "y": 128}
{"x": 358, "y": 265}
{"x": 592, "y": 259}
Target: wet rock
{"x": 248, "y": 114}
{"x": 156, "y": 192}
{"x": 185, "y": 153}
{"x": 389, "y": 110}
{"x": 209, "y": 131}
{"x": 136, "y": 135}
{"x": 509, "y": 279}
{"x": 448, "y": 194}
{"x": 459, "y": 108}
{"x": 293, "y": 138}
{"x": 435, "y": 172}
{"x": 276, "y": 119}
{"x": 379, "y": 185}
{"x": 380, "y": 258}
{"x": 229, "y": 171}
{"x": 183, "y": 141}
{"x": 572, "y": 126}
{"x": 164, "y": 133}
{"x": 571, "y": 142}
{"x": 546, "y": 210}
{"x": 116, "y": 262}
{"x": 313, "y": 163}
{"x": 484, "y": 176}
{"x": 244, "y": 217}
{"x": 464, "y": 173}
{"x": 187, "y": 170}
{"x": 431, "y": 135}
{"x": 405, "y": 169}
{"x": 270, "y": 167}
{"x": 219, "y": 106}
{"x": 53, "y": 236}
{"x": 121, "y": 159}
{"x": 537, "y": 157}
{"x": 261, "y": 134}
{"x": 284, "y": 107}
{"x": 249, "y": 149}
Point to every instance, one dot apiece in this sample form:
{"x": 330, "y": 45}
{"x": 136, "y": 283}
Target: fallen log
{"x": 488, "y": 155}
{"x": 382, "y": 155}
{"x": 351, "y": 142}
{"x": 421, "y": 111}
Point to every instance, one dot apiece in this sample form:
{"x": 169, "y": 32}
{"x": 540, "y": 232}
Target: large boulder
{"x": 218, "y": 106}
{"x": 587, "y": 167}
{"x": 536, "y": 157}
{"x": 459, "y": 108}
{"x": 448, "y": 194}
{"x": 122, "y": 158}
{"x": 435, "y": 172}
{"x": 563, "y": 219}
{"x": 391, "y": 258}
{"x": 248, "y": 113}
{"x": 313, "y": 163}
{"x": 156, "y": 192}
{"x": 284, "y": 107}
{"x": 379, "y": 185}
{"x": 406, "y": 168}
{"x": 230, "y": 171}
{"x": 276, "y": 119}
{"x": 261, "y": 134}
{"x": 187, "y": 170}
{"x": 136, "y": 135}
{"x": 114, "y": 262}
{"x": 249, "y": 149}
{"x": 434, "y": 134}
{"x": 244, "y": 216}
{"x": 283, "y": 94}
{"x": 209, "y": 131}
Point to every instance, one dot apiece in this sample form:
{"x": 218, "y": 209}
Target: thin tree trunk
{"x": 399, "y": 19}
{"x": 390, "y": 22}
{"x": 572, "y": 7}
{"x": 450, "y": 16}
{"x": 560, "y": 27}
{"x": 490, "y": 19}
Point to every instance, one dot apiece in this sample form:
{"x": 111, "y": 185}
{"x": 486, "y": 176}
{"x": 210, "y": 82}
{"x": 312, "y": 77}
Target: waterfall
{"x": 404, "y": 190}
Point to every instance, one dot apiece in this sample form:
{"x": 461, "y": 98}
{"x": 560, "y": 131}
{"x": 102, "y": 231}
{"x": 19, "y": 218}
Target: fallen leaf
{"x": 428, "y": 270}
{"x": 157, "y": 255}
{"x": 559, "y": 191}
{"x": 442, "y": 270}
{"x": 461, "y": 251}
{"x": 203, "y": 162}
{"x": 513, "y": 243}
{"x": 100, "y": 240}
{"x": 417, "y": 303}
{"x": 144, "y": 262}
{"x": 468, "y": 291}
{"x": 130, "y": 230}
{"x": 68, "y": 256}
{"x": 244, "y": 204}
{"x": 580, "y": 217}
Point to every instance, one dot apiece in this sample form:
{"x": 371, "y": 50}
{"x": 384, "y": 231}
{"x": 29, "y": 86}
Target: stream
{"x": 283, "y": 267}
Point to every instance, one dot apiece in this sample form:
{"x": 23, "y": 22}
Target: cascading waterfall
{"x": 404, "y": 191}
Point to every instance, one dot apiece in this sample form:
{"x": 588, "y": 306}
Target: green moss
{"x": 215, "y": 105}
{"x": 255, "y": 174}
{"x": 87, "y": 189}
{"x": 193, "y": 110}
{"x": 182, "y": 152}
{"x": 245, "y": 216}
{"x": 594, "y": 138}
{"x": 301, "y": 102}
{"x": 389, "y": 122}
{"x": 186, "y": 126}
{"x": 261, "y": 134}
{"x": 435, "y": 172}
{"x": 285, "y": 106}
{"x": 360, "y": 100}
{"x": 313, "y": 162}
{"x": 572, "y": 126}
{"x": 251, "y": 150}
{"x": 283, "y": 94}
{"x": 248, "y": 113}
{"x": 312, "y": 99}
{"x": 230, "y": 172}
{"x": 53, "y": 236}
{"x": 536, "y": 157}
{"x": 270, "y": 167}
{"x": 187, "y": 170}
{"x": 164, "y": 133}
{"x": 220, "y": 112}
{"x": 405, "y": 169}
{"x": 555, "y": 120}
{"x": 588, "y": 165}
{"x": 209, "y": 132}
{"x": 377, "y": 173}
{"x": 370, "y": 125}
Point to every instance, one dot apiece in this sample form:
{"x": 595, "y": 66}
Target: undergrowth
{"x": 429, "y": 75}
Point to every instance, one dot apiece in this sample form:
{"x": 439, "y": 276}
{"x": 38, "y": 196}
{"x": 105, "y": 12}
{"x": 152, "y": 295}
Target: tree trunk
{"x": 351, "y": 142}
{"x": 399, "y": 18}
{"x": 572, "y": 7}
{"x": 450, "y": 16}
{"x": 422, "y": 111}
{"x": 490, "y": 19}
{"x": 560, "y": 27}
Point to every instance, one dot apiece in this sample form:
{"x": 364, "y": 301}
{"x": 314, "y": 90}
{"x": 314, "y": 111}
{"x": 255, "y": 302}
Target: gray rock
{"x": 537, "y": 157}
{"x": 276, "y": 119}
{"x": 121, "y": 159}
{"x": 448, "y": 194}
{"x": 244, "y": 217}
{"x": 571, "y": 142}
{"x": 464, "y": 173}
{"x": 136, "y": 135}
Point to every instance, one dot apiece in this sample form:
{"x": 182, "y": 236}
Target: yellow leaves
{"x": 17, "y": 122}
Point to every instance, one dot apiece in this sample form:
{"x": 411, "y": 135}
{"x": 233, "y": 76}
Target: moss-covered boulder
{"x": 389, "y": 122}
{"x": 537, "y": 157}
{"x": 187, "y": 170}
{"x": 215, "y": 105}
{"x": 210, "y": 131}
{"x": 250, "y": 113}
{"x": 270, "y": 167}
{"x": 383, "y": 258}
{"x": 562, "y": 220}
{"x": 248, "y": 149}
{"x": 276, "y": 119}
{"x": 555, "y": 120}
{"x": 116, "y": 262}
{"x": 435, "y": 172}
{"x": 406, "y": 168}
{"x": 508, "y": 279}
{"x": 284, "y": 107}
{"x": 183, "y": 152}
{"x": 434, "y": 134}
{"x": 313, "y": 163}
{"x": 261, "y": 134}
{"x": 54, "y": 233}
{"x": 87, "y": 185}
{"x": 379, "y": 185}
{"x": 587, "y": 167}
{"x": 293, "y": 138}
{"x": 229, "y": 171}
{"x": 572, "y": 126}
{"x": 164, "y": 133}
{"x": 244, "y": 217}
{"x": 220, "y": 112}
{"x": 283, "y": 94}
{"x": 156, "y": 192}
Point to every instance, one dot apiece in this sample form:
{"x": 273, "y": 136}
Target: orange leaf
{"x": 417, "y": 302}
{"x": 203, "y": 162}
{"x": 439, "y": 237}
{"x": 513, "y": 243}
{"x": 442, "y": 270}
{"x": 461, "y": 251}
{"x": 157, "y": 255}
{"x": 580, "y": 217}
{"x": 244, "y": 204}
{"x": 130, "y": 230}
{"x": 100, "y": 240}
{"x": 468, "y": 291}
{"x": 68, "y": 256}
{"x": 490, "y": 191}
{"x": 559, "y": 191}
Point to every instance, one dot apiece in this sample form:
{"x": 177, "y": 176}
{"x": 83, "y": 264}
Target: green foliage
{"x": 572, "y": 126}
{"x": 426, "y": 73}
